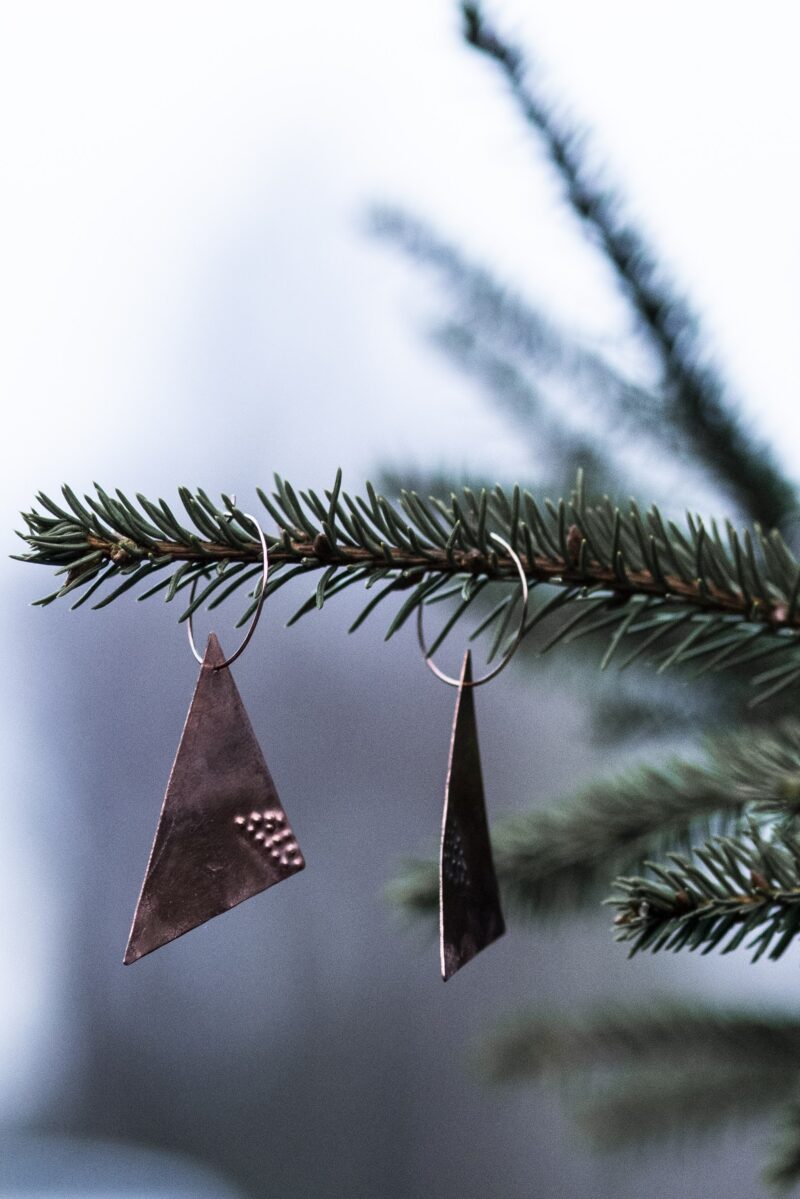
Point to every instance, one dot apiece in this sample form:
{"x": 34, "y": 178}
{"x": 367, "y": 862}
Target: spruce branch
{"x": 633, "y": 1075}
{"x": 726, "y": 891}
{"x": 493, "y": 313}
{"x": 531, "y": 1045}
{"x": 783, "y": 1170}
{"x": 519, "y": 400}
{"x": 649, "y": 1106}
{"x": 554, "y": 860}
{"x": 679, "y": 595}
{"x": 696, "y": 398}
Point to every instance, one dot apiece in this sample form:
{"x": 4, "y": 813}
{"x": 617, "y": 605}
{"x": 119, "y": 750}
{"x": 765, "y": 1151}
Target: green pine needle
{"x": 553, "y": 860}
{"x": 728, "y": 892}
{"x": 681, "y": 596}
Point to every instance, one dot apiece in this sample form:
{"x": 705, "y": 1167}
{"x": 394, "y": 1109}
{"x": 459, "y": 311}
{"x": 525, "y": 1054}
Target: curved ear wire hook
{"x": 262, "y": 595}
{"x": 446, "y": 678}
{"x": 219, "y": 775}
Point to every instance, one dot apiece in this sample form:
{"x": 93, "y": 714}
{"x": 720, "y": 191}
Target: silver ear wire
{"x": 446, "y": 678}
{"x": 262, "y": 595}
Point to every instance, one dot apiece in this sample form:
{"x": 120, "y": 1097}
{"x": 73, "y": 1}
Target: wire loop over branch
{"x": 678, "y": 594}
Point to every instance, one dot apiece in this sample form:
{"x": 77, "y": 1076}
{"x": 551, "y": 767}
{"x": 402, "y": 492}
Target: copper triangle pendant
{"x": 222, "y": 835}
{"x": 470, "y": 916}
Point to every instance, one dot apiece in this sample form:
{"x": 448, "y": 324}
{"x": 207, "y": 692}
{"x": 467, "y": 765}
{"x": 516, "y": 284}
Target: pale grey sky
{"x": 184, "y": 183}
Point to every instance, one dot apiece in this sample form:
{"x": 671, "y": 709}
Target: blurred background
{"x": 210, "y": 272}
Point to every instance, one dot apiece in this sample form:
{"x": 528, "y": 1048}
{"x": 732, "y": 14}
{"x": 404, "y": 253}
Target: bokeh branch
{"x": 641, "y": 1074}
{"x": 696, "y": 401}
{"x": 554, "y": 860}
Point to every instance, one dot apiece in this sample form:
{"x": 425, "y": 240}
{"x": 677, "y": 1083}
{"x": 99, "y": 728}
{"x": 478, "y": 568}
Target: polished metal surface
{"x": 223, "y": 835}
{"x": 262, "y": 595}
{"x": 511, "y": 650}
{"x": 470, "y": 916}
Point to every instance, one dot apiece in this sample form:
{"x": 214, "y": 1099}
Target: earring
{"x": 222, "y": 835}
{"x": 470, "y": 915}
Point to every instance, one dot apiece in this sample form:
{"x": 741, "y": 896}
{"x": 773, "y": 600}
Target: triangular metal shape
{"x": 470, "y": 917}
{"x": 222, "y": 835}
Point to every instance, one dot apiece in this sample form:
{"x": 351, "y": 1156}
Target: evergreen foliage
{"x": 737, "y": 886}
{"x": 695, "y": 403}
{"x": 784, "y": 1168}
{"x": 705, "y": 845}
{"x": 553, "y": 860}
{"x": 531, "y": 1044}
{"x": 633, "y": 1076}
{"x": 676, "y": 594}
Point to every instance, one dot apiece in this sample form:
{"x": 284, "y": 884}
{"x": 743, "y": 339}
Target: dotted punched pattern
{"x": 453, "y": 860}
{"x": 269, "y": 831}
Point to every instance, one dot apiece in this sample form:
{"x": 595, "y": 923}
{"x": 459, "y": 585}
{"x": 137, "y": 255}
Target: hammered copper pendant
{"x": 470, "y": 917}
{"x": 222, "y": 835}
